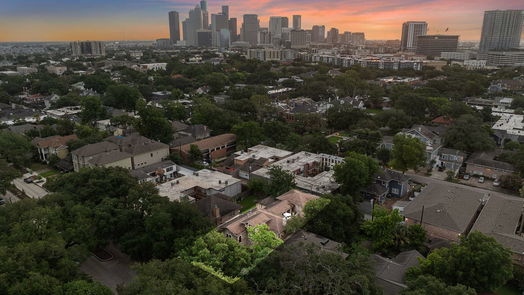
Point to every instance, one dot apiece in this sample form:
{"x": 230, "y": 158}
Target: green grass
{"x": 507, "y": 290}
{"x": 36, "y": 166}
{"x": 248, "y": 203}
{"x": 334, "y": 139}
{"x": 49, "y": 173}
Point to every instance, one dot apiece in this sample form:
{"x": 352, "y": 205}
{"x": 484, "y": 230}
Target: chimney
{"x": 215, "y": 212}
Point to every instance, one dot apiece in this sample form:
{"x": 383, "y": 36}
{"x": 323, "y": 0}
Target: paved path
{"x": 30, "y": 189}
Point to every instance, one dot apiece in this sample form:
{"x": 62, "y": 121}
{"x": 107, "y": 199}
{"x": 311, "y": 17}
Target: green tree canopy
{"x": 408, "y": 153}
{"x": 467, "y": 133}
{"x": 16, "y": 148}
{"x": 280, "y": 181}
{"x": 429, "y": 285}
{"x": 478, "y": 262}
{"x": 153, "y": 124}
{"x": 248, "y": 134}
{"x": 355, "y": 173}
{"x": 122, "y": 97}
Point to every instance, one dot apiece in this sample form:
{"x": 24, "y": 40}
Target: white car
{"x": 466, "y": 177}
{"x": 481, "y": 179}
{"x": 496, "y": 182}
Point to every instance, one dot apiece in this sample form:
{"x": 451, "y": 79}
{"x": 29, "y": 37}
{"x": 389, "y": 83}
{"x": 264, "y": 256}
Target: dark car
{"x": 2, "y": 201}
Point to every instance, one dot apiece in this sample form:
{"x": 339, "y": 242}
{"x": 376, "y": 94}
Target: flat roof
{"x": 206, "y": 179}
{"x": 511, "y": 123}
{"x": 262, "y": 151}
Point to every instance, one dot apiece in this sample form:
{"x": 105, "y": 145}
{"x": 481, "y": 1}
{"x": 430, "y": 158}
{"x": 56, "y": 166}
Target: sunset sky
{"x": 64, "y": 20}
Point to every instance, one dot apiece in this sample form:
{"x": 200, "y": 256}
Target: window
{"x": 151, "y": 155}
{"x": 169, "y": 169}
{"x": 395, "y": 191}
{"x": 240, "y": 239}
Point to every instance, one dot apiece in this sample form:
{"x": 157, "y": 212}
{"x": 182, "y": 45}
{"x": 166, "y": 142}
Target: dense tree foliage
{"x": 478, "y": 262}
{"x": 280, "y": 181}
{"x": 467, "y": 133}
{"x": 16, "y": 148}
{"x": 408, "y": 153}
{"x": 153, "y": 124}
{"x": 355, "y": 173}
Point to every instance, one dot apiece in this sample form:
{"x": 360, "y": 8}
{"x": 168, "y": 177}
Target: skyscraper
{"x": 285, "y": 22}
{"x": 358, "y": 38}
{"x": 225, "y": 11}
{"x": 501, "y": 30}
{"x": 332, "y": 36}
{"x": 297, "y": 22}
{"x": 233, "y": 29}
{"x": 299, "y": 39}
{"x": 275, "y": 26}
{"x": 410, "y": 31}
{"x": 219, "y": 22}
{"x": 193, "y": 24}
{"x": 174, "y": 27}
{"x": 203, "y": 5}
{"x": 89, "y": 48}
{"x": 250, "y": 29}
{"x": 318, "y": 34}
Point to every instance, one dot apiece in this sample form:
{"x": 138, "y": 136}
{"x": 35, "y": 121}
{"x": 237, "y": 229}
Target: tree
{"x": 320, "y": 144}
{"x": 175, "y": 111}
{"x": 122, "y": 97}
{"x": 478, "y": 261}
{"x": 355, "y": 172}
{"x": 512, "y": 182}
{"x": 383, "y": 155}
{"x": 7, "y": 174}
{"x": 248, "y": 134}
{"x": 92, "y": 109}
{"x": 195, "y": 155}
{"x": 216, "y": 82}
{"x": 343, "y": 117}
{"x": 16, "y": 148}
{"x": 467, "y": 133}
{"x": 389, "y": 236}
{"x": 394, "y": 119}
{"x": 280, "y": 181}
{"x": 81, "y": 287}
{"x": 429, "y": 285}
{"x": 408, "y": 153}
{"x": 263, "y": 240}
{"x": 153, "y": 124}
{"x": 413, "y": 105}
{"x": 333, "y": 216}
{"x": 365, "y": 142}
{"x": 295, "y": 269}
{"x": 176, "y": 276}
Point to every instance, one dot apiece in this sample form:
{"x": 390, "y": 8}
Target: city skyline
{"x": 31, "y": 20}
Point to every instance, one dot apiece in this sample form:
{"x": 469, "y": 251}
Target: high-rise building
{"x": 358, "y": 38}
{"x": 204, "y": 38}
{"x": 250, "y": 28}
{"x": 233, "y": 29}
{"x": 285, "y": 22}
{"x": 264, "y": 36}
{"x": 501, "y": 30}
{"x": 174, "y": 27}
{"x": 218, "y": 22}
{"x": 275, "y": 26}
{"x": 434, "y": 45}
{"x": 225, "y": 39}
{"x": 89, "y": 48}
{"x": 318, "y": 34}
{"x": 203, "y": 5}
{"x": 194, "y": 23}
{"x": 297, "y": 22}
{"x": 410, "y": 31}
{"x": 299, "y": 39}
{"x": 332, "y": 36}
{"x": 225, "y": 11}
{"x": 346, "y": 38}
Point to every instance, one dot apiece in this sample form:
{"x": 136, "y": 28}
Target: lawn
{"x": 334, "y": 139}
{"x": 37, "y": 166}
{"x": 507, "y": 290}
{"x": 248, "y": 203}
{"x": 373, "y": 111}
{"x": 49, "y": 173}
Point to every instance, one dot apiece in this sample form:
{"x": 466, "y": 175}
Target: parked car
{"x": 2, "y": 201}
{"x": 481, "y": 179}
{"x": 466, "y": 177}
{"x": 496, "y": 182}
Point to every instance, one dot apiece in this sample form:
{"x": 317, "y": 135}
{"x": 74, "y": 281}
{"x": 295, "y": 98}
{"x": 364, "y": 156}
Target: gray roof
{"x": 390, "y": 273}
{"x": 447, "y": 151}
{"x": 95, "y": 148}
{"x": 446, "y": 205}
{"x": 500, "y": 219}
{"x": 108, "y": 157}
{"x": 206, "y": 205}
{"x": 182, "y": 140}
{"x": 136, "y": 144}
{"x": 325, "y": 244}
{"x": 179, "y": 126}
{"x": 388, "y": 174}
{"x": 486, "y": 159}
{"x": 22, "y": 129}
{"x": 142, "y": 173}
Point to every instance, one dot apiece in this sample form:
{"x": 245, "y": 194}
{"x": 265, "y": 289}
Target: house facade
{"x": 53, "y": 146}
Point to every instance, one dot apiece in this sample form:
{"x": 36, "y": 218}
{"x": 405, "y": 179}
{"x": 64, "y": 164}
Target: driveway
{"x": 31, "y": 190}
{"x": 9, "y": 197}
{"x": 112, "y": 273}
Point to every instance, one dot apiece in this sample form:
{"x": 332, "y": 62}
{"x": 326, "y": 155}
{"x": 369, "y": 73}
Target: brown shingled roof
{"x": 211, "y": 142}
{"x": 54, "y": 141}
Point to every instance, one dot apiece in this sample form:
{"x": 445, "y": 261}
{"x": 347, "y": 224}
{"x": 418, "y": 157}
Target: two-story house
{"x": 53, "y": 146}
{"x": 451, "y": 159}
{"x": 387, "y": 183}
{"x": 430, "y": 136}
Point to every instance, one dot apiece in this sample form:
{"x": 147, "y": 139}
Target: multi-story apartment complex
{"x": 410, "y": 31}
